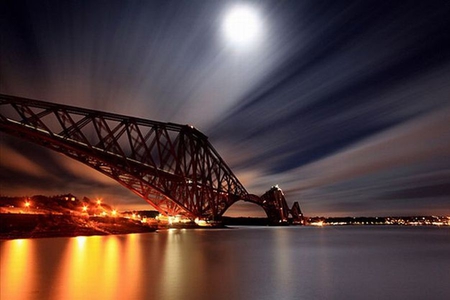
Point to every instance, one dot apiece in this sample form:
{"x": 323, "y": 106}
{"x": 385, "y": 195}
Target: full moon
{"x": 242, "y": 26}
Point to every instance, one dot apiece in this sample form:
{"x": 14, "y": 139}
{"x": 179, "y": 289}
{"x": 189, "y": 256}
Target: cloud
{"x": 424, "y": 138}
{"x": 18, "y": 162}
{"x": 85, "y": 172}
{"x": 415, "y": 154}
{"x": 339, "y": 104}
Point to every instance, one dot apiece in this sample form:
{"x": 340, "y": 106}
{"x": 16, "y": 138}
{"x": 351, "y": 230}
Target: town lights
{"x": 85, "y": 208}
{"x": 99, "y": 201}
{"x": 318, "y": 223}
{"x": 27, "y": 204}
{"x": 114, "y": 213}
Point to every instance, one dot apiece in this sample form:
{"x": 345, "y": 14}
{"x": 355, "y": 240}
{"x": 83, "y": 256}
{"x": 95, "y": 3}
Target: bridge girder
{"x": 173, "y": 167}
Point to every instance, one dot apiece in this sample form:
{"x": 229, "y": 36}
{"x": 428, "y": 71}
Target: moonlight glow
{"x": 242, "y": 26}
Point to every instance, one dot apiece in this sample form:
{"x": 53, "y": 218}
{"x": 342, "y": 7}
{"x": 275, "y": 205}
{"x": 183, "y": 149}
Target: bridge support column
{"x": 275, "y": 206}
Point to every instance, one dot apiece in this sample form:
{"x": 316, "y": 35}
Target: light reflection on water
{"x": 17, "y": 260}
{"x": 244, "y": 263}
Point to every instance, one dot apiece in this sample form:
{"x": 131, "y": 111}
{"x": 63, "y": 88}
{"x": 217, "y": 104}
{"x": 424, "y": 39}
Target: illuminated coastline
{"x": 402, "y": 221}
{"x": 66, "y": 215}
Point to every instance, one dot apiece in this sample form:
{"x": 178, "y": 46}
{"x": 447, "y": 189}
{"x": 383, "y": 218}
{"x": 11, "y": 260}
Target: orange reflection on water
{"x": 73, "y": 280}
{"x": 132, "y": 268}
{"x": 99, "y": 268}
{"x": 172, "y": 283}
{"x": 111, "y": 271}
{"x": 17, "y": 269}
{"x": 84, "y": 259}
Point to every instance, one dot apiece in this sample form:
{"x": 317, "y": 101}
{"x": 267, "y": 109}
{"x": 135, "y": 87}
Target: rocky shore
{"x": 18, "y": 226}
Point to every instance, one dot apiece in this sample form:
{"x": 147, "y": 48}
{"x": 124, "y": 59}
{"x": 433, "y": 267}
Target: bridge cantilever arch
{"x": 173, "y": 167}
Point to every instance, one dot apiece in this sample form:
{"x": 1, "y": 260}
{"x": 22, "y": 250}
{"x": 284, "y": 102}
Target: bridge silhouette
{"x": 173, "y": 167}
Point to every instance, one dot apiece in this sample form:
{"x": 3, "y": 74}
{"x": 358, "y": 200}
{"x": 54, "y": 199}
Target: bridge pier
{"x": 275, "y": 206}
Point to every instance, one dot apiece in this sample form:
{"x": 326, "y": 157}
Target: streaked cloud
{"x": 343, "y": 104}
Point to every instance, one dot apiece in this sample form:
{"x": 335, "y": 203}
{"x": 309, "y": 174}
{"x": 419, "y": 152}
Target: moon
{"x": 242, "y": 26}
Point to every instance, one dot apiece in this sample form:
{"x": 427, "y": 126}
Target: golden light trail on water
{"x": 117, "y": 258}
{"x": 17, "y": 269}
{"x": 77, "y": 275}
{"x": 132, "y": 267}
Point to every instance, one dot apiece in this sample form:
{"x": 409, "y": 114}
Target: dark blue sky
{"x": 344, "y": 104}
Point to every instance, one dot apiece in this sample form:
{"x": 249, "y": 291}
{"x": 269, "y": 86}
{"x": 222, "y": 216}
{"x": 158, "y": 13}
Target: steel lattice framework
{"x": 173, "y": 167}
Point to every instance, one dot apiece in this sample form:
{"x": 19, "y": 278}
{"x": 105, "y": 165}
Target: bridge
{"x": 173, "y": 167}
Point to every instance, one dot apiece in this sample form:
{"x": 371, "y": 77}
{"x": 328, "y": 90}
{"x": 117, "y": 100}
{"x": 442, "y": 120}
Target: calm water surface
{"x": 238, "y": 263}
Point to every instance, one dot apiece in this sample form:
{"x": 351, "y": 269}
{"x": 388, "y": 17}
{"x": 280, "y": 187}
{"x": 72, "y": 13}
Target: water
{"x": 239, "y": 263}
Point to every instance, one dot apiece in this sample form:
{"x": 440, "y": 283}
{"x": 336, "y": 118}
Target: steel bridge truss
{"x": 173, "y": 167}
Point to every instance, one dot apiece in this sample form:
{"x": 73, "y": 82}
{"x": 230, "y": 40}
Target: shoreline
{"x": 25, "y": 226}
{"x": 30, "y": 226}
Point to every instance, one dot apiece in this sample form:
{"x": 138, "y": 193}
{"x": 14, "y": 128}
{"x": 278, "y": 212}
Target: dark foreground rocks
{"x": 16, "y": 226}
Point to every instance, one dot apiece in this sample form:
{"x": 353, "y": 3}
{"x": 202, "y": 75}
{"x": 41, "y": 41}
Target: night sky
{"x": 344, "y": 104}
